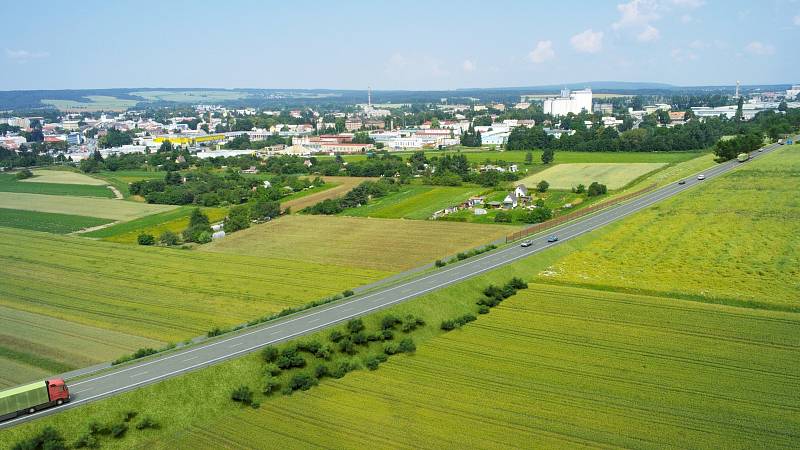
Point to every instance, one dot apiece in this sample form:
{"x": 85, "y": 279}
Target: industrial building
{"x": 569, "y": 102}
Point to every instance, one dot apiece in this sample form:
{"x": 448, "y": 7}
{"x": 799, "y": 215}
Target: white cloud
{"x": 542, "y": 52}
{"x": 759, "y": 48}
{"x": 681, "y": 55}
{"x": 697, "y": 44}
{"x": 797, "y": 20}
{"x": 468, "y": 65}
{"x": 650, "y": 33}
{"x": 25, "y": 55}
{"x": 636, "y": 13}
{"x": 588, "y": 42}
{"x": 689, "y": 3}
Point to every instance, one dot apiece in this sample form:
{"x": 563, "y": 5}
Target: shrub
{"x": 410, "y": 323}
{"x": 204, "y": 237}
{"x": 518, "y": 283}
{"x": 310, "y": 346}
{"x": 287, "y": 361}
{"x": 596, "y": 189}
{"x": 466, "y": 318}
{"x": 168, "y": 238}
{"x": 343, "y": 368}
{"x": 325, "y": 351}
{"x": 302, "y": 381}
{"x": 321, "y": 371}
{"x": 243, "y": 395}
{"x": 348, "y": 293}
{"x": 119, "y": 430}
{"x": 129, "y": 415}
{"x": 355, "y": 325}
{"x": 269, "y": 354}
{"x": 216, "y": 331}
{"x": 440, "y": 263}
{"x": 360, "y": 338}
{"x": 270, "y": 385}
{"x": 98, "y": 428}
{"x": 24, "y": 174}
{"x": 147, "y": 422}
{"x": 448, "y": 325}
{"x": 389, "y": 322}
{"x": 347, "y": 345}
{"x": 146, "y": 239}
{"x": 387, "y": 335}
{"x": 272, "y": 369}
{"x": 372, "y": 362}
{"x": 407, "y": 346}
{"x": 87, "y": 440}
{"x": 391, "y": 349}
{"x": 483, "y": 309}
{"x": 336, "y": 336}
{"x": 502, "y": 217}
{"x": 542, "y": 186}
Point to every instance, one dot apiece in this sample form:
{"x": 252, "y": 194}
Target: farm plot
{"x": 52, "y": 223}
{"x": 175, "y": 220}
{"x": 157, "y": 293}
{"x": 383, "y": 244}
{"x": 33, "y": 346}
{"x": 613, "y": 175}
{"x": 743, "y": 229}
{"x": 559, "y": 367}
{"x": 122, "y": 178}
{"x": 63, "y": 177}
{"x": 91, "y": 207}
{"x": 94, "y": 103}
{"x": 9, "y": 183}
{"x": 341, "y": 186}
{"x": 414, "y": 202}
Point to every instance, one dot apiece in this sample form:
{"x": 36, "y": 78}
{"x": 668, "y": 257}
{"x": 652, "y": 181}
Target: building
{"x": 178, "y": 139}
{"x": 569, "y": 102}
{"x": 604, "y": 108}
{"x": 499, "y": 137}
{"x": 791, "y": 94}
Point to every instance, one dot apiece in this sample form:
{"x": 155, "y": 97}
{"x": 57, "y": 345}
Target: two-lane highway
{"x": 158, "y": 368}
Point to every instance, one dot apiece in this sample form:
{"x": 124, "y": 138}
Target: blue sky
{"x": 396, "y": 45}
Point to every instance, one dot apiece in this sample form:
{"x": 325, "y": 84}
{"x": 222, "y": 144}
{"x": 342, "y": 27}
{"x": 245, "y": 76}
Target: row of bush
{"x": 141, "y": 353}
{"x": 359, "y": 195}
{"x": 50, "y": 439}
{"x": 465, "y": 255}
{"x": 492, "y": 296}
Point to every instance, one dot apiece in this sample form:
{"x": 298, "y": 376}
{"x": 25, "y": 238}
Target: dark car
{"x": 682, "y": 182}
{"x": 552, "y": 239}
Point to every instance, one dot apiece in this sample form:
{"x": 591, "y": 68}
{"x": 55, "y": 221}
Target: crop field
{"x": 383, "y": 244}
{"x": 613, "y": 175}
{"x": 557, "y": 367}
{"x": 743, "y": 229}
{"x": 8, "y": 183}
{"x": 91, "y": 207}
{"x": 190, "y": 96}
{"x": 34, "y": 346}
{"x": 414, "y": 202}
{"x": 341, "y": 185}
{"x": 95, "y": 103}
{"x": 63, "y": 177}
{"x": 175, "y": 220}
{"x": 121, "y": 178}
{"x": 52, "y": 223}
{"x": 157, "y": 293}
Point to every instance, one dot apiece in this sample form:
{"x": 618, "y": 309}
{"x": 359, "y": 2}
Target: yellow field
{"x": 613, "y": 175}
{"x": 63, "y": 177}
{"x": 381, "y": 244}
{"x": 80, "y": 206}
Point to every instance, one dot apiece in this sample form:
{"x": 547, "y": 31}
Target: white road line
{"x": 139, "y": 374}
{"x": 236, "y": 344}
{"x": 82, "y": 390}
{"x": 193, "y": 357}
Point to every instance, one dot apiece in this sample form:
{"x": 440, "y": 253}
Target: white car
{"x": 701, "y": 177}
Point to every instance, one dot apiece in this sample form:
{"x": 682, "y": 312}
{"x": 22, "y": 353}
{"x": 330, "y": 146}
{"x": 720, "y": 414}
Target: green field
{"x": 9, "y": 183}
{"x": 91, "y": 207}
{"x": 201, "y": 96}
{"x": 95, "y": 103}
{"x": 157, "y": 293}
{"x": 383, "y": 244}
{"x": 414, "y": 202}
{"x": 63, "y": 177}
{"x": 743, "y": 230}
{"x": 175, "y": 220}
{"x": 122, "y": 178}
{"x": 613, "y": 175}
{"x": 52, "y": 223}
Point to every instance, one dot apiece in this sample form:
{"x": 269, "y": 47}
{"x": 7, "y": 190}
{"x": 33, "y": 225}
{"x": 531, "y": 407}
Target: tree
{"x": 502, "y": 217}
{"x": 23, "y": 174}
{"x": 529, "y": 158}
{"x": 548, "y": 155}
{"x": 738, "y": 116}
{"x": 596, "y": 189}
{"x": 435, "y": 123}
{"x": 265, "y": 209}
{"x": 663, "y": 116}
{"x": 168, "y": 238}
{"x": 542, "y": 186}
{"x": 146, "y": 239}
{"x": 166, "y": 147}
{"x": 783, "y": 107}
{"x": 238, "y": 218}
{"x": 689, "y": 115}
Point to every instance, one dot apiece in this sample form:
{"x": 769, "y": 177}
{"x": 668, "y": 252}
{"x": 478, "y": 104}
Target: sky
{"x": 416, "y": 45}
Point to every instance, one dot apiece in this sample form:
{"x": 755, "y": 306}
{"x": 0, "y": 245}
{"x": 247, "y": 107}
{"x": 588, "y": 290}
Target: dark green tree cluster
{"x": 471, "y": 138}
{"x": 115, "y": 138}
{"x": 596, "y": 189}
{"x": 743, "y": 143}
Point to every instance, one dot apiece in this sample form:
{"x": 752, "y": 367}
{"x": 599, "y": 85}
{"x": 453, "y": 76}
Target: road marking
{"x": 314, "y": 320}
{"x": 139, "y": 374}
{"x": 193, "y": 357}
{"x": 235, "y": 344}
{"x": 82, "y": 390}
{"x": 275, "y": 332}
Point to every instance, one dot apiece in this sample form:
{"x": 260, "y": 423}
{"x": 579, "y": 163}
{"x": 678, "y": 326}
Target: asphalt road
{"x": 151, "y": 370}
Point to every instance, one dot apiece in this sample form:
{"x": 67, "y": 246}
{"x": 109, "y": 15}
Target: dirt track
{"x": 344, "y": 184}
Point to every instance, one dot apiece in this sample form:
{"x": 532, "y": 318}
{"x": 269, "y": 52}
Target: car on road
{"x": 526, "y": 244}
{"x": 682, "y": 182}
{"x": 553, "y": 238}
{"x": 701, "y": 177}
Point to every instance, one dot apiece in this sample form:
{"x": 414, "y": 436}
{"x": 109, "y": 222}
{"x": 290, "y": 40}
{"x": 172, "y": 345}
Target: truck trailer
{"x": 743, "y": 157}
{"x": 32, "y": 397}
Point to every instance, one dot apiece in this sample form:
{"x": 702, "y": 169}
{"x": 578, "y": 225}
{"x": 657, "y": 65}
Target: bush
{"x": 325, "y": 351}
{"x": 336, "y": 336}
{"x": 204, "y": 237}
{"x": 596, "y": 189}
{"x": 389, "y": 322}
{"x": 483, "y": 309}
{"x": 24, "y": 174}
{"x": 270, "y": 385}
{"x": 238, "y": 218}
{"x": 391, "y": 349}
{"x": 243, "y": 395}
{"x": 542, "y": 186}
{"x": 360, "y": 338}
{"x": 518, "y": 283}
{"x": 129, "y": 415}
{"x": 440, "y": 263}
{"x": 348, "y": 293}
{"x": 118, "y": 431}
{"x": 347, "y": 345}
{"x": 373, "y": 361}
{"x": 407, "y": 346}
{"x": 321, "y": 371}
{"x": 343, "y": 368}
{"x": 289, "y": 359}
{"x": 448, "y": 325}
{"x": 411, "y": 323}
{"x": 48, "y": 438}
{"x": 216, "y": 331}
{"x": 147, "y": 422}
{"x": 269, "y": 354}
{"x": 302, "y": 381}
{"x": 87, "y": 440}
{"x": 168, "y": 238}
{"x": 502, "y": 217}
{"x": 355, "y": 325}
{"x": 146, "y": 239}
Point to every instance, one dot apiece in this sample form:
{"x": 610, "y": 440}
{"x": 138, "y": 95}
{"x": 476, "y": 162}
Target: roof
{"x": 21, "y": 389}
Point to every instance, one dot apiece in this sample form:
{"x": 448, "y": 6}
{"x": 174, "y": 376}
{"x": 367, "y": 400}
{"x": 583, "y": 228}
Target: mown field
{"x": 382, "y": 244}
{"x": 157, "y": 293}
{"x": 91, "y": 207}
{"x": 742, "y": 230}
{"x": 122, "y": 178}
{"x": 9, "y": 183}
{"x": 35, "y": 346}
{"x": 175, "y": 220}
{"x": 52, "y": 223}
{"x": 94, "y": 103}
{"x": 613, "y": 175}
{"x": 340, "y": 186}
{"x": 414, "y": 202}
{"x": 63, "y": 177}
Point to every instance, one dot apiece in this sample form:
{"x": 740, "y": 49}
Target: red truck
{"x": 32, "y": 397}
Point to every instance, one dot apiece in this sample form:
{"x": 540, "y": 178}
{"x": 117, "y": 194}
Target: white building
{"x": 569, "y": 102}
{"x": 498, "y": 137}
{"x": 792, "y": 93}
